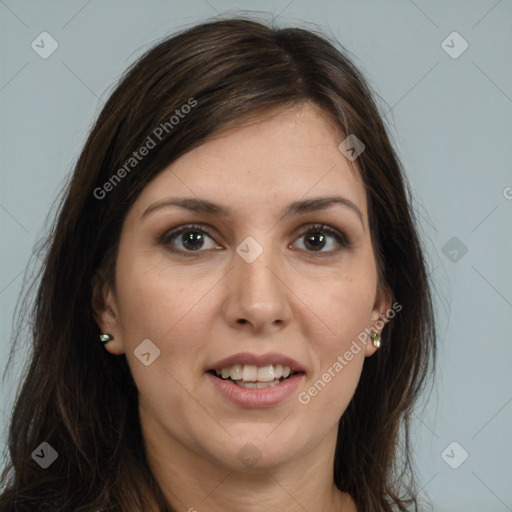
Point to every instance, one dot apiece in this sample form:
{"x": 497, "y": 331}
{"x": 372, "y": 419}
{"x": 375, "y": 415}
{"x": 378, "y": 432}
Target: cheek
{"x": 343, "y": 304}
{"x": 153, "y": 306}
{"x": 163, "y": 304}
{"x": 344, "y": 309}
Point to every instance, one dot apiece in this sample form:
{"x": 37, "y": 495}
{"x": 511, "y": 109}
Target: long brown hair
{"x": 82, "y": 400}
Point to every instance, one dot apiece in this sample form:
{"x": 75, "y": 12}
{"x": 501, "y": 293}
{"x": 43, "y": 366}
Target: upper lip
{"x": 258, "y": 360}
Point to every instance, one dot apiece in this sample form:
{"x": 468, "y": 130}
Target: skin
{"x": 203, "y": 308}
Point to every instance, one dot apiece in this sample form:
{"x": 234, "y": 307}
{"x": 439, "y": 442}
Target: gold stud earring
{"x": 376, "y": 340}
{"x": 105, "y": 338}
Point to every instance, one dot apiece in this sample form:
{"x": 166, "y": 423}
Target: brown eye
{"x": 319, "y": 236}
{"x": 315, "y": 241}
{"x": 188, "y": 239}
{"x": 192, "y": 240}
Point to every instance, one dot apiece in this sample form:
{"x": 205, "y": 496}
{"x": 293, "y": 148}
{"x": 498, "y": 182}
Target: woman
{"x": 234, "y": 311}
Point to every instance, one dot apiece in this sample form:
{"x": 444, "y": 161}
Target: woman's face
{"x": 246, "y": 288}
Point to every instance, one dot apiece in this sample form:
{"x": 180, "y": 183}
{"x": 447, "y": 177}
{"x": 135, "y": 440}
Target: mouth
{"x": 250, "y": 376}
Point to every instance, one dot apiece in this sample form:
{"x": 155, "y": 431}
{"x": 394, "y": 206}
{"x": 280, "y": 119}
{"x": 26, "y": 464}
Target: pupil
{"x": 310, "y": 238}
{"x": 189, "y": 242}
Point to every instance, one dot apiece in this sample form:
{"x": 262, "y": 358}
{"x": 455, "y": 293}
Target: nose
{"x": 257, "y": 295}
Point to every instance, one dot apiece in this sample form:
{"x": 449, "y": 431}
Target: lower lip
{"x": 254, "y": 398}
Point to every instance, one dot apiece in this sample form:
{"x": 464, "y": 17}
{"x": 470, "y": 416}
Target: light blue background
{"x": 451, "y": 120}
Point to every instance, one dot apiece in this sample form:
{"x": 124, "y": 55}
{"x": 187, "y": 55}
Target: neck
{"x": 195, "y": 483}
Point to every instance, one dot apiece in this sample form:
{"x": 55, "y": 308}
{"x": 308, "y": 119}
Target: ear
{"x": 378, "y": 316}
{"x": 105, "y": 311}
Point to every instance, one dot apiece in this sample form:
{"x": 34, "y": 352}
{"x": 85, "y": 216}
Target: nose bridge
{"x": 256, "y": 265}
{"x": 256, "y": 293}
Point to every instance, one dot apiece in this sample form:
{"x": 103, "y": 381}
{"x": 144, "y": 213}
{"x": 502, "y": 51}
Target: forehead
{"x": 272, "y": 160}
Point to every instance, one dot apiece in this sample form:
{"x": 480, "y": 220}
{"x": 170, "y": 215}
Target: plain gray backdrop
{"x": 443, "y": 74}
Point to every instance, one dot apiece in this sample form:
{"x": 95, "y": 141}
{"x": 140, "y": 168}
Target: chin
{"x": 261, "y": 450}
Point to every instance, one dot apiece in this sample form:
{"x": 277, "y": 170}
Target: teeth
{"x": 236, "y": 372}
{"x": 266, "y": 373}
{"x": 250, "y": 373}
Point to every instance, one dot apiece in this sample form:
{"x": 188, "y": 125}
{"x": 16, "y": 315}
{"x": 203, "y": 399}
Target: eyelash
{"x": 341, "y": 240}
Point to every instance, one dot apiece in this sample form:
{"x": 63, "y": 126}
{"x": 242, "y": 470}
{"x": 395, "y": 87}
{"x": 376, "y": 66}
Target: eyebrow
{"x": 296, "y": 208}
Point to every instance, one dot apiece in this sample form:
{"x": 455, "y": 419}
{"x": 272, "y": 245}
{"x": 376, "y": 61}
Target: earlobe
{"x": 104, "y": 309}
{"x": 378, "y": 319}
